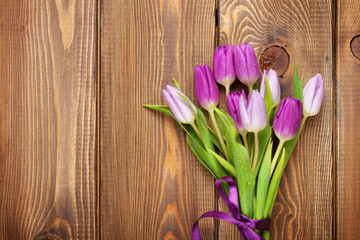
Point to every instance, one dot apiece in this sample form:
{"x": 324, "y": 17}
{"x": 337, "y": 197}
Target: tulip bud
{"x": 313, "y": 95}
{"x": 253, "y": 114}
{"x": 246, "y": 65}
{"x": 224, "y": 71}
{"x": 206, "y": 90}
{"x": 233, "y": 100}
{"x": 288, "y": 119}
{"x": 273, "y": 81}
{"x": 178, "y": 106}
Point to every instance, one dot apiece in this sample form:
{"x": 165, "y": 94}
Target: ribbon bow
{"x": 243, "y": 223}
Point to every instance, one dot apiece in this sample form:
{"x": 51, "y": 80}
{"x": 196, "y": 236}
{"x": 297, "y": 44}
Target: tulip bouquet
{"x": 247, "y": 147}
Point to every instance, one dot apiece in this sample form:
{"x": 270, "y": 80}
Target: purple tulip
{"x": 313, "y": 95}
{"x": 253, "y": 114}
{"x": 288, "y": 119}
{"x": 224, "y": 71}
{"x": 206, "y": 90}
{"x": 178, "y": 106}
{"x": 233, "y": 100}
{"x": 273, "y": 81}
{"x": 246, "y": 65}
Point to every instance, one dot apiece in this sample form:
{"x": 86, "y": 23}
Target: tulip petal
{"x": 213, "y": 89}
{"x": 205, "y": 87}
{"x": 240, "y": 65}
{"x": 313, "y": 95}
{"x": 219, "y": 65}
{"x": 230, "y": 68}
{"x": 182, "y": 111}
{"x": 233, "y": 100}
{"x": 288, "y": 119}
{"x": 243, "y": 113}
{"x": 262, "y": 84}
{"x": 173, "y": 107}
{"x": 257, "y": 111}
{"x": 200, "y": 87}
{"x": 252, "y": 64}
{"x": 319, "y": 95}
{"x": 246, "y": 65}
{"x": 274, "y": 85}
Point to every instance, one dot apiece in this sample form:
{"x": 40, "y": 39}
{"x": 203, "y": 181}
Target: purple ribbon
{"x": 243, "y": 223}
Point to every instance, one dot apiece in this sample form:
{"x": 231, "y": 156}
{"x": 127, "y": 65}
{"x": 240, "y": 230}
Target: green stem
{"x": 246, "y": 144}
{"x": 196, "y": 130}
{"x": 250, "y": 89}
{"x": 227, "y": 89}
{"x": 218, "y": 133}
{"x": 266, "y": 234}
{"x": 256, "y": 153}
{"x": 276, "y": 156}
{"x": 302, "y": 123}
{"x": 240, "y": 140}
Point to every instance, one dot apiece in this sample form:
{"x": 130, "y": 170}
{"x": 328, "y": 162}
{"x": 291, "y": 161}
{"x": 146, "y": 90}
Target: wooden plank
{"x": 152, "y": 186}
{"x": 348, "y": 120}
{"x": 48, "y": 119}
{"x": 303, "y": 209}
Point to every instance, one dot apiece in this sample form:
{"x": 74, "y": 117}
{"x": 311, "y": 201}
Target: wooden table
{"x": 80, "y": 158}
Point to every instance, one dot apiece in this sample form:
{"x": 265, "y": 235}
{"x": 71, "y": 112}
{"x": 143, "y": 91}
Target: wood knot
{"x": 355, "y": 46}
{"x": 23, "y": 28}
{"x": 276, "y": 58}
{"x": 59, "y": 230}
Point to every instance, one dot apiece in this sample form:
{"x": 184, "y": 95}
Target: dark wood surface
{"x": 48, "y": 119}
{"x": 80, "y": 158}
{"x": 347, "y": 113}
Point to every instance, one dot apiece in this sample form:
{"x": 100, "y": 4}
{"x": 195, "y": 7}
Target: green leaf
{"x": 263, "y": 183}
{"x": 160, "y": 108}
{"x": 274, "y": 186}
{"x": 215, "y": 140}
{"x": 206, "y": 158}
{"x": 189, "y": 130}
{"x": 201, "y": 116}
{"x": 176, "y": 84}
{"x": 270, "y": 115}
{"x": 268, "y": 96}
{"x": 195, "y": 149}
{"x": 251, "y": 142}
{"x": 298, "y": 91}
{"x": 230, "y": 168}
{"x": 225, "y": 122}
{"x": 228, "y": 126}
{"x": 201, "y": 123}
{"x": 245, "y": 178}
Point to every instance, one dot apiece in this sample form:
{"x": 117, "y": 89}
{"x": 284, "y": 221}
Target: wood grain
{"x": 348, "y": 120}
{"x": 152, "y": 186}
{"x": 47, "y": 119}
{"x": 303, "y": 209}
